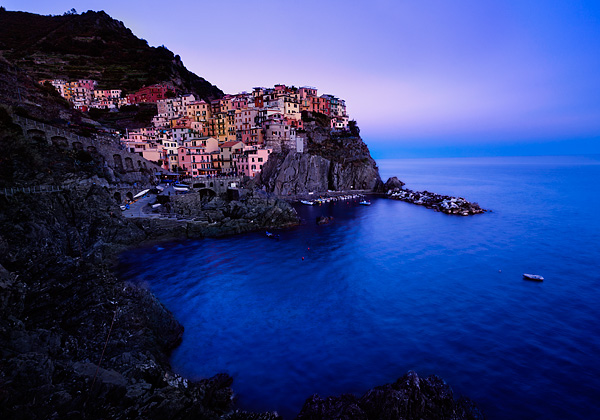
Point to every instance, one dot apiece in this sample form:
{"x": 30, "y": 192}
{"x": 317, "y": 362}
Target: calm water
{"x": 394, "y": 286}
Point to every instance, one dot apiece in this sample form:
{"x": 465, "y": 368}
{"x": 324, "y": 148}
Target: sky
{"x": 423, "y": 78}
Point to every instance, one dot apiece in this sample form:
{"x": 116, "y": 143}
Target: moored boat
{"x": 272, "y": 235}
{"x": 308, "y": 203}
{"x": 533, "y": 277}
{"x": 365, "y": 203}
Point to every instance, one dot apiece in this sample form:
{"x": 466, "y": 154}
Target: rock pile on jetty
{"x": 444, "y": 203}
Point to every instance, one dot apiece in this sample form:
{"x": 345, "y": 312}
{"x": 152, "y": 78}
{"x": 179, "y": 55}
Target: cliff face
{"x": 338, "y": 162}
{"x": 76, "y": 341}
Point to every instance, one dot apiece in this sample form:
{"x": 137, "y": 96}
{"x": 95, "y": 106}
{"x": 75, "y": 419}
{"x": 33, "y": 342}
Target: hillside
{"x": 95, "y": 46}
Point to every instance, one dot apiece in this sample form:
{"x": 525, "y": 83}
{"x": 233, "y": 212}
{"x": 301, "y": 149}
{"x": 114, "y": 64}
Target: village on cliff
{"x": 233, "y": 135}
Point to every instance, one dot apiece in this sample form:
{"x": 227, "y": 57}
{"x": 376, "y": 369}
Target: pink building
{"x": 251, "y": 161}
{"x": 245, "y": 120}
{"x": 307, "y": 92}
{"x": 240, "y": 101}
{"x": 87, "y": 84}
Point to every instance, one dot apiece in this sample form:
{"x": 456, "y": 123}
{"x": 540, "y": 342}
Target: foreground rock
{"x": 409, "y": 398}
{"x": 76, "y": 341}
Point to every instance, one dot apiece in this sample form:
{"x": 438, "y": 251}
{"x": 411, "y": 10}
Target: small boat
{"x": 365, "y": 203}
{"x": 272, "y": 235}
{"x": 308, "y": 203}
{"x": 533, "y": 277}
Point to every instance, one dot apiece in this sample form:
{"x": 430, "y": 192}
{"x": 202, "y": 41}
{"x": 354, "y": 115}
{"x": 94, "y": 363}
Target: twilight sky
{"x": 423, "y": 78}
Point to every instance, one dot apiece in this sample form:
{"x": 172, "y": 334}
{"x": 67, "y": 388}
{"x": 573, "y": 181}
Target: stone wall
{"x": 105, "y": 147}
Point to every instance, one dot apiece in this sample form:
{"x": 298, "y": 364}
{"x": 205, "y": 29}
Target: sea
{"x": 393, "y": 287}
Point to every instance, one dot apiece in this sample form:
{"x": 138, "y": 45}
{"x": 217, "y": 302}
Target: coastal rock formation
{"x": 443, "y": 203}
{"x": 219, "y": 216}
{"x": 76, "y": 341}
{"x": 324, "y": 220}
{"x": 409, "y": 398}
{"x": 392, "y": 184}
{"x": 331, "y": 161}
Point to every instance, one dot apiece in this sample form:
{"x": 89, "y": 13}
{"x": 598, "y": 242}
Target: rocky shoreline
{"x": 410, "y": 397}
{"x": 77, "y": 342}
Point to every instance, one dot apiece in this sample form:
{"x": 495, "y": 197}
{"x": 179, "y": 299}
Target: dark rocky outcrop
{"x": 324, "y": 220}
{"x": 409, "y": 398}
{"x": 76, "y": 341}
{"x": 218, "y": 216}
{"x": 336, "y": 161}
{"x": 392, "y": 184}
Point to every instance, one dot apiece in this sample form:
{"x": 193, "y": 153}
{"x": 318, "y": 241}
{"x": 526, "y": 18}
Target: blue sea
{"x": 393, "y": 287}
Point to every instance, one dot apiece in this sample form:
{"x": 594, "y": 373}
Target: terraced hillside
{"x": 92, "y": 45}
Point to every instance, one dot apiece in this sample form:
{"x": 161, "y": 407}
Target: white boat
{"x": 533, "y": 277}
{"x": 308, "y": 203}
{"x": 365, "y": 203}
{"x": 140, "y": 194}
{"x": 181, "y": 188}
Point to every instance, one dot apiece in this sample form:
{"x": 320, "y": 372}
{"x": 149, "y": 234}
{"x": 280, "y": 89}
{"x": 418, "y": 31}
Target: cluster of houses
{"x": 84, "y": 95}
{"x": 233, "y": 135}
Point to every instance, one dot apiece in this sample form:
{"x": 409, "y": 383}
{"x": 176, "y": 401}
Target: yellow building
{"x": 198, "y": 111}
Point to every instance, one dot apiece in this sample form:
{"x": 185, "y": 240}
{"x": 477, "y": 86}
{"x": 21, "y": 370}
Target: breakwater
{"x": 443, "y": 203}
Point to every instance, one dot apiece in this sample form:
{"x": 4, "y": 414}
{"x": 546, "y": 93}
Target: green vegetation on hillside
{"x": 95, "y": 46}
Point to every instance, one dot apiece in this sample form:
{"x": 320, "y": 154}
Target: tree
{"x": 354, "y": 128}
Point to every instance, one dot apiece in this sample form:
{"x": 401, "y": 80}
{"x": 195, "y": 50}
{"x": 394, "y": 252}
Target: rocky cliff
{"x": 410, "y": 397}
{"x": 76, "y": 341}
{"x": 338, "y": 161}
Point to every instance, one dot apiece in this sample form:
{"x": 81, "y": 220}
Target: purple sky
{"x": 422, "y": 78}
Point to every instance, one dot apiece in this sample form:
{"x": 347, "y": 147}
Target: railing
{"x": 36, "y": 189}
{"x": 27, "y": 123}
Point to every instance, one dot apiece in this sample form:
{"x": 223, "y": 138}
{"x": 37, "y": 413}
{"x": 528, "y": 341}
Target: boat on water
{"x": 533, "y": 277}
{"x": 272, "y": 235}
{"x": 365, "y": 203}
{"x": 308, "y": 203}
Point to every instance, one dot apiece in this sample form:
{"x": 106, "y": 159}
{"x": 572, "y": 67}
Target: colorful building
{"x": 150, "y": 94}
{"x": 252, "y": 159}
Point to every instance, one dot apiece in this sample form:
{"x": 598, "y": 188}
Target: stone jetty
{"x": 444, "y": 203}
{"x": 395, "y": 190}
